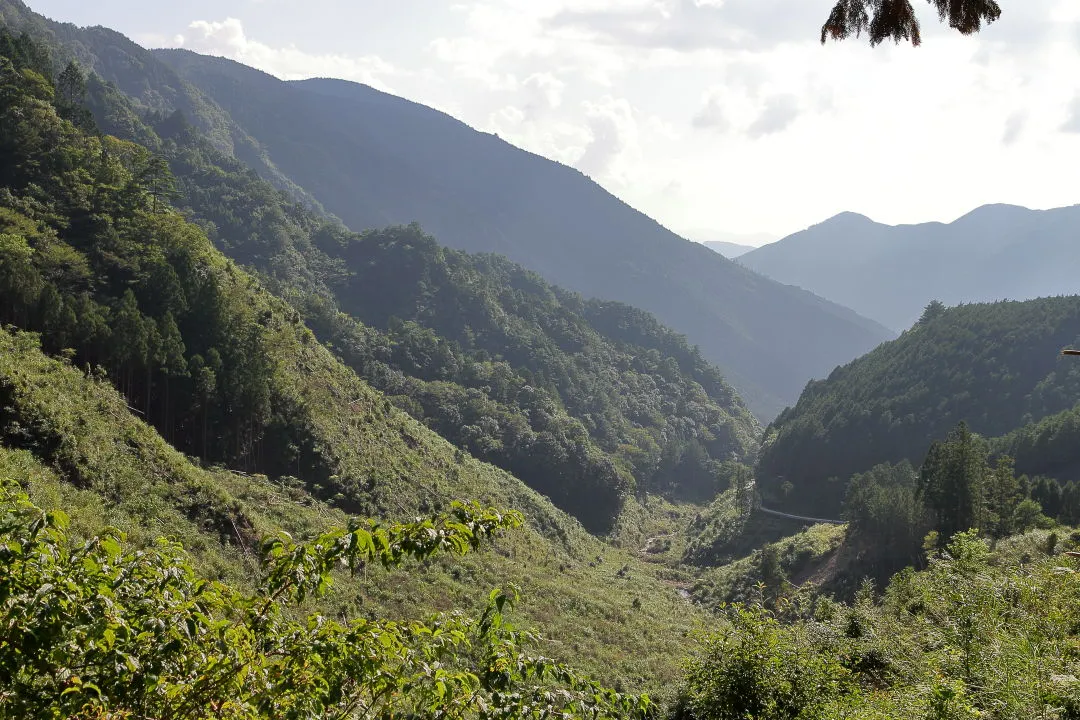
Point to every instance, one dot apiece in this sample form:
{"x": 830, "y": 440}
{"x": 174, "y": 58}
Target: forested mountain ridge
{"x": 523, "y": 377}
{"x": 996, "y": 366}
{"x": 94, "y": 259}
{"x": 546, "y": 216}
{"x": 74, "y": 445}
{"x": 639, "y": 390}
{"x": 994, "y": 252}
{"x": 154, "y": 87}
{"x": 684, "y": 416}
{"x": 140, "y": 315}
{"x": 374, "y": 159}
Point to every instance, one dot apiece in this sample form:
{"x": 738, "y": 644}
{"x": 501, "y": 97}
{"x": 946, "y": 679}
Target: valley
{"x": 317, "y": 402}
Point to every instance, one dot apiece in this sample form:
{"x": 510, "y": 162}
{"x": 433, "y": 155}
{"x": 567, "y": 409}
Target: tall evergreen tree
{"x": 1003, "y": 495}
{"x": 952, "y": 482}
{"x": 71, "y": 84}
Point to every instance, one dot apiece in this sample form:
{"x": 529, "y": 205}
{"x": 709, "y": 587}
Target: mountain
{"x": 890, "y": 273}
{"x": 507, "y": 367}
{"x": 182, "y": 399}
{"x": 729, "y": 250}
{"x": 996, "y": 366}
{"x": 181, "y": 457}
{"x": 374, "y": 159}
{"x": 510, "y": 369}
{"x": 730, "y": 245}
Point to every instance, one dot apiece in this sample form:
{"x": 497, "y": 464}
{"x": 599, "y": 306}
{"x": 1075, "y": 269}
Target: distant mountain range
{"x": 375, "y": 159}
{"x": 889, "y": 273}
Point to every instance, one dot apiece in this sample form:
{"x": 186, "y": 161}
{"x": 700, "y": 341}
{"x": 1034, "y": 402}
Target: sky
{"x": 722, "y": 119}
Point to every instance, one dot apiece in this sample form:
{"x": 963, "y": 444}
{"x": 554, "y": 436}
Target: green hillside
{"x": 243, "y": 469}
{"x": 1049, "y": 450}
{"x": 75, "y": 445}
{"x": 996, "y": 366}
{"x": 544, "y": 405}
{"x": 94, "y": 258}
{"x": 495, "y": 359}
{"x": 376, "y": 160}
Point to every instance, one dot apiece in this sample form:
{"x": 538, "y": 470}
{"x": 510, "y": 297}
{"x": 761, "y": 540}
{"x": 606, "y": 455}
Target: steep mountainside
{"x": 523, "y": 377}
{"x": 72, "y": 442}
{"x": 374, "y": 160}
{"x": 890, "y": 273}
{"x": 151, "y": 320}
{"x": 152, "y": 84}
{"x": 513, "y": 370}
{"x": 996, "y": 366}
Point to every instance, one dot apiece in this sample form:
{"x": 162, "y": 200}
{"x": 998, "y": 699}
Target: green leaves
{"x": 302, "y": 571}
{"x": 895, "y": 19}
{"x": 95, "y": 629}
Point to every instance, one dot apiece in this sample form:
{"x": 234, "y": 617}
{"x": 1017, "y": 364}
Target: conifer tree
{"x": 953, "y": 481}
{"x": 71, "y": 85}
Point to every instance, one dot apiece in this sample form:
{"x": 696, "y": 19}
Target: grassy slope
{"x": 86, "y": 453}
{"x": 806, "y": 557}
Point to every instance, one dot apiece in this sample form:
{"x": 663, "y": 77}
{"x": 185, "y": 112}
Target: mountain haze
{"x": 889, "y": 273}
{"x": 729, "y": 250}
{"x": 374, "y": 159}
{"x": 255, "y": 464}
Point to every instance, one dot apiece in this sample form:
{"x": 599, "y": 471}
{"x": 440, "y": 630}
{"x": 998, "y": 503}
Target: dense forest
{"x": 995, "y": 366}
{"x": 376, "y": 160}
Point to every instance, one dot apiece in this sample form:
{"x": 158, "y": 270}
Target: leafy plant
{"x": 92, "y": 630}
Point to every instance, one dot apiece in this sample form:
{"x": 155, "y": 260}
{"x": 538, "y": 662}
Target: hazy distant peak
{"x": 847, "y": 218}
{"x": 994, "y": 211}
{"x": 729, "y": 250}
{"x": 890, "y": 272}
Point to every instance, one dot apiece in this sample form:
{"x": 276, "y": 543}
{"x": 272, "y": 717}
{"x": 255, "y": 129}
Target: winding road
{"x": 777, "y": 513}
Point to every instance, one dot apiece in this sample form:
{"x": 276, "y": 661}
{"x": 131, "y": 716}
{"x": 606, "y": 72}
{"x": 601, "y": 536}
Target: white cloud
{"x": 546, "y": 90}
{"x": 614, "y": 147}
{"x": 1014, "y": 126}
{"x": 776, "y": 115}
{"x": 712, "y": 115}
{"x": 563, "y": 142}
{"x": 723, "y": 114}
{"x": 471, "y": 59}
{"x": 1072, "y": 122}
{"x": 227, "y": 38}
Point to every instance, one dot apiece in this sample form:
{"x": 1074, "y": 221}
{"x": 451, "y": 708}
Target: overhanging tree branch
{"x": 896, "y": 20}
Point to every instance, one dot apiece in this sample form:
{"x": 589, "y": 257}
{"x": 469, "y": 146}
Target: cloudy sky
{"x": 713, "y": 116}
